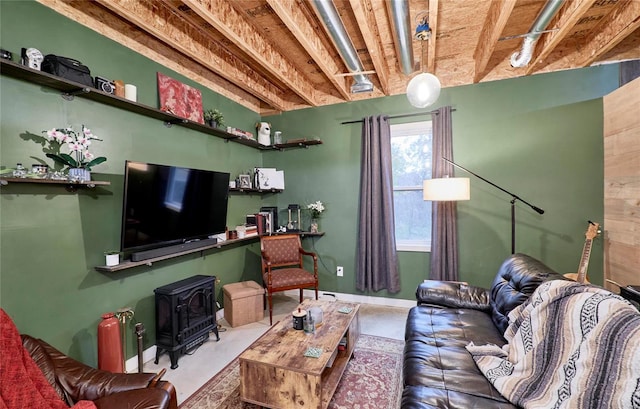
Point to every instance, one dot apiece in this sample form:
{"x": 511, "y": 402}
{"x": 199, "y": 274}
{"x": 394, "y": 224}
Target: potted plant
{"x": 316, "y": 208}
{"x": 78, "y": 144}
{"x": 214, "y": 118}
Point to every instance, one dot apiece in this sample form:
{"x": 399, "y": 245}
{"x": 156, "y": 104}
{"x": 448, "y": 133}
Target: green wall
{"x": 538, "y": 136}
{"x": 52, "y": 239}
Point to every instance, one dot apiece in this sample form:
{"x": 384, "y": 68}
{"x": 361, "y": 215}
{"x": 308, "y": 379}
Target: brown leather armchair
{"x": 75, "y": 381}
{"x": 282, "y": 266}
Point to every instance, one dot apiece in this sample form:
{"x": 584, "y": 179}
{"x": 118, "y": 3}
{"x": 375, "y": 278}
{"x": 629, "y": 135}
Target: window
{"x": 411, "y": 163}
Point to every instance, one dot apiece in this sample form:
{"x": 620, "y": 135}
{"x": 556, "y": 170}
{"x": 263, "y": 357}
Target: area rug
{"x": 371, "y": 380}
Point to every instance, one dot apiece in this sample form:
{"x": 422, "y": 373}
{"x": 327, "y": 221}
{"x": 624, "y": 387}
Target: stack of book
{"x": 342, "y": 346}
{"x": 240, "y": 132}
{"x": 251, "y": 230}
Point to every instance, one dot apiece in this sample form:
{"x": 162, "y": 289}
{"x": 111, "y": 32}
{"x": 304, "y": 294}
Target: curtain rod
{"x": 396, "y": 116}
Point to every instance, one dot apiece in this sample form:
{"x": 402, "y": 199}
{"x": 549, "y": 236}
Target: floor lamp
{"x": 444, "y": 238}
{"x": 449, "y": 184}
{"x": 446, "y": 189}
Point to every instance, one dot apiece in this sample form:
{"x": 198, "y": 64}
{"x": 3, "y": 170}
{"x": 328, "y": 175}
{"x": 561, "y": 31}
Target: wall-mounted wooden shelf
{"x": 70, "y": 186}
{"x": 257, "y": 191}
{"x": 71, "y": 89}
{"x": 127, "y": 264}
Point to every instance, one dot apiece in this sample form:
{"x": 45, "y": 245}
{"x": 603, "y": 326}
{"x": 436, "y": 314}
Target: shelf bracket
{"x": 69, "y": 96}
{"x": 169, "y": 124}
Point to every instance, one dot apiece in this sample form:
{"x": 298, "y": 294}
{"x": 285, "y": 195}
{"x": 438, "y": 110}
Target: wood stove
{"x": 185, "y": 314}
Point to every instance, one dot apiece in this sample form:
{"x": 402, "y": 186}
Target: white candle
{"x": 130, "y": 92}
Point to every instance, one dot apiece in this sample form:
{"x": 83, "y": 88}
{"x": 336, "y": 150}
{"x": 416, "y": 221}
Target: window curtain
{"x": 377, "y": 262}
{"x": 444, "y": 225}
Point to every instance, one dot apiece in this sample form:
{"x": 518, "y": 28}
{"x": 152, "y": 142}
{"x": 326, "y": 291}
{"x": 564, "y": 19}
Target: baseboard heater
{"x": 163, "y": 251}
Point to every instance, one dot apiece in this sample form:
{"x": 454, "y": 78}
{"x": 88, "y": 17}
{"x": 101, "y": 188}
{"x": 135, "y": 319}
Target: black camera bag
{"x": 67, "y": 68}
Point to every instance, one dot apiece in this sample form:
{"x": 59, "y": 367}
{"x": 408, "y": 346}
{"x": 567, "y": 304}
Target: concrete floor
{"x": 204, "y": 362}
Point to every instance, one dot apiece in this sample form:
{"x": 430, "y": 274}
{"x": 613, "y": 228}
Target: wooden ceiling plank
{"x": 171, "y": 29}
{"x": 494, "y": 24}
{"x": 565, "y": 21}
{"x": 237, "y": 29}
{"x": 433, "y": 24}
{"x": 92, "y": 16}
{"x": 302, "y": 29}
{"x": 364, "y": 14}
{"x": 619, "y": 24}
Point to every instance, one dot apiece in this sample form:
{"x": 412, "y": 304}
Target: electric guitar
{"x": 593, "y": 229}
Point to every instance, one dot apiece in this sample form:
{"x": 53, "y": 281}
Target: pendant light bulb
{"x": 423, "y": 90}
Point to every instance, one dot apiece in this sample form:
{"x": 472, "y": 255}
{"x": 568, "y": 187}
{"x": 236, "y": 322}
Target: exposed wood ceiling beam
{"x": 433, "y": 24}
{"x": 494, "y": 24}
{"x": 363, "y": 12}
{"x": 172, "y": 29}
{"x": 224, "y": 18}
{"x": 299, "y": 25}
{"x": 269, "y": 56}
{"x": 91, "y": 15}
{"x": 622, "y": 22}
{"x": 565, "y": 21}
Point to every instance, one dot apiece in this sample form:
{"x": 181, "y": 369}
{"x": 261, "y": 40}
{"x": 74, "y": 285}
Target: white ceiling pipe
{"x": 523, "y": 57}
{"x": 326, "y": 10}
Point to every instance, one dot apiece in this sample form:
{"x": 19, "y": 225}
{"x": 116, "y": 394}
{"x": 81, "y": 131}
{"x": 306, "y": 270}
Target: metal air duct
{"x": 523, "y": 57}
{"x": 399, "y": 12}
{"x": 326, "y": 10}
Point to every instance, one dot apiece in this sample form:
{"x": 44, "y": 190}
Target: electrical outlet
{"x": 339, "y": 271}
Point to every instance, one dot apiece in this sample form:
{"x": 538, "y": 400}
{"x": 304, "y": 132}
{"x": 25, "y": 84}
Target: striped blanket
{"x": 569, "y": 346}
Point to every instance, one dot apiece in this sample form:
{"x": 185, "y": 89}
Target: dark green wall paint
{"x": 539, "y": 136}
{"x": 51, "y": 239}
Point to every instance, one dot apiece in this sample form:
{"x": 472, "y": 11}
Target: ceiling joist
{"x": 224, "y": 18}
{"x": 297, "y": 23}
{"x": 618, "y": 25}
{"x": 270, "y": 56}
{"x": 494, "y": 24}
{"x": 172, "y": 29}
{"x": 566, "y": 19}
{"x": 91, "y": 15}
{"x": 363, "y": 11}
{"x": 433, "y": 24}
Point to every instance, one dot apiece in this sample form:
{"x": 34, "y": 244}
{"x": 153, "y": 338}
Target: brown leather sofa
{"x": 438, "y": 371}
{"x": 74, "y": 381}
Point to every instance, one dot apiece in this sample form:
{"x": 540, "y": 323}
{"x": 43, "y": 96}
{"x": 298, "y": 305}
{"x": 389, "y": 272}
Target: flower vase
{"x": 79, "y": 175}
{"x": 313, "y": 228}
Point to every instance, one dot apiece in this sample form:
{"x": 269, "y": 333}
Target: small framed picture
{"x": 245, "y": 181}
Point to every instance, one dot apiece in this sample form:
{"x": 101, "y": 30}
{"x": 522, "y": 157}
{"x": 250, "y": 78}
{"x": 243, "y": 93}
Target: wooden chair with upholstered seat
{"x": 282, "y": 266}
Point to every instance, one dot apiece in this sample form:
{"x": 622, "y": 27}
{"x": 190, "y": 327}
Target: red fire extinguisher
{"x": 110, "y": 356}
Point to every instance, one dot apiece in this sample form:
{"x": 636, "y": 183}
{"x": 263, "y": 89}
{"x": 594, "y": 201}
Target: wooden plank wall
{"x": 622, "y": 185}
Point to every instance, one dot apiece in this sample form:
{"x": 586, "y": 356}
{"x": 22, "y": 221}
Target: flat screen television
{"x": 170, "y": 208}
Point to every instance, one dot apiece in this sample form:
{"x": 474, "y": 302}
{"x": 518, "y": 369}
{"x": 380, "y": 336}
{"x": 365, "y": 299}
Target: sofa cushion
{"x": 517, "y": 279}
{"x": 452, "y": 294}
{"x": 435, "y": 357}
{"x": 420, "y": 397}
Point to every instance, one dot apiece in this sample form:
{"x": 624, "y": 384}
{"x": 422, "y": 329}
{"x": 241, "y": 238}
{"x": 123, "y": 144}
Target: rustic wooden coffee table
{"x": 275, "y": 373}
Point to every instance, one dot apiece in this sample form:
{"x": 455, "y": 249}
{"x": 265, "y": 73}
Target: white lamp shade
{"x": 423, "y": 90}
{"x": 446, "y": 189}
